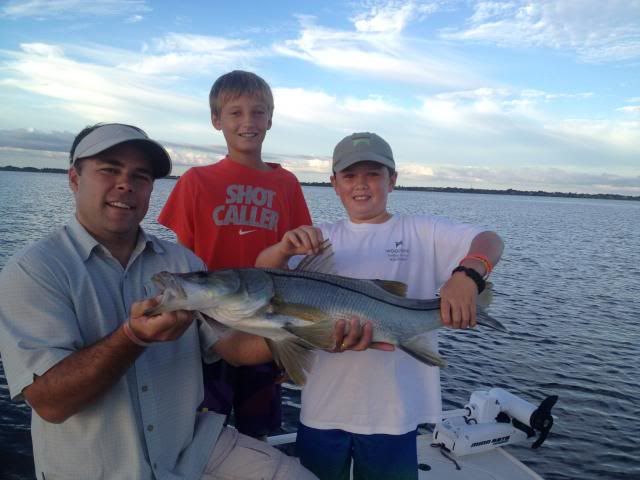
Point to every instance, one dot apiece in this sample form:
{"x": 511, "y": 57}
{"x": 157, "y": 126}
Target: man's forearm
{"x": 82, "y": 377}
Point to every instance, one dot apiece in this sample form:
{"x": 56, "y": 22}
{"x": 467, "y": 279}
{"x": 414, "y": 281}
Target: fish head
{"x": 194, "y": 290}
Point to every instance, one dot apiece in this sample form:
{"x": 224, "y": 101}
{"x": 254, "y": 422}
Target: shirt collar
{"x": 87, "y": 243}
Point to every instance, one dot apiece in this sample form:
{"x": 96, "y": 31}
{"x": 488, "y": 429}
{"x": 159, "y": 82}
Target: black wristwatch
{"x": 473, "y": 275}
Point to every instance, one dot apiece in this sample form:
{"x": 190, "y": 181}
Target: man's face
{"x": 363, "y": 189}
{"x": 244, "y": 121}
{"x": 112, "y": 192}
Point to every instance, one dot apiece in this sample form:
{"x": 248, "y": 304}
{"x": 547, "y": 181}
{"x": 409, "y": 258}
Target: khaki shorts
{"x": 238, "y": 457}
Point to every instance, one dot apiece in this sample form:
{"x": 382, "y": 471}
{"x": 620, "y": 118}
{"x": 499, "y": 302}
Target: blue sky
{"x": 531, "y": 95}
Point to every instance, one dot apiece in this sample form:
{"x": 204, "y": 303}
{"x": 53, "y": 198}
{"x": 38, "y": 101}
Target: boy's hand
{"x": 304, "y": 240}
{"x": 458, "y": 302}
{"x": 352, "y": 335}
{"x": 159, "y": 328}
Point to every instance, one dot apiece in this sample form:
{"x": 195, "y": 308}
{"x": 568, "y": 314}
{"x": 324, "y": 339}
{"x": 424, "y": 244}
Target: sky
{"x": 529, "y": 95}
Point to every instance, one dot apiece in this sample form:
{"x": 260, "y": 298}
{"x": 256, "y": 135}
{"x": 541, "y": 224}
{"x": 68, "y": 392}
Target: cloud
{"x": 305, "y": 164}
{"x": 134, "y": 19}
{"x": 31, "y": 139}
{"x": 185, "y": 155}
{"x": 392, "y": 17}
{"x": 630, "y": 109}
{"x": 71, "y": 8}
{"x": 182, "y": 54}
{"x": 95, "y": 92}
{"x": 595, "y": 31}
{"x": 376, "y": 47}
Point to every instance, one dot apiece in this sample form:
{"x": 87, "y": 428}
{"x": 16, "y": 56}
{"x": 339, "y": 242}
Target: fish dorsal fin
{"x": 321, "y": 262}
{"x": 391, "y": 286}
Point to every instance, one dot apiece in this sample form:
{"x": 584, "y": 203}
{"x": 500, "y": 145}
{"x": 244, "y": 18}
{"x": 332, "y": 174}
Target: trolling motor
{"x": 494, "y": 418}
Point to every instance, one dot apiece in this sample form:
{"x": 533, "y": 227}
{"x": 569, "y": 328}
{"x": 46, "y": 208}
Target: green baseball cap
{"x": 361, "y": 147}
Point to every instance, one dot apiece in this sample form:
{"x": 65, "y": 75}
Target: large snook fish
{"x": 296, "y": 310}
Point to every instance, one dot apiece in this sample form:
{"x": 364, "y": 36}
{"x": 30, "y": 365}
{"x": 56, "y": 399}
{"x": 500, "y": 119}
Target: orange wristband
{"x": 132, "y": 336}
{"x": 481, "y": 258}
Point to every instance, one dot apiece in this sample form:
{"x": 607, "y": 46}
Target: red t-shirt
{"x": 228, "y": 213}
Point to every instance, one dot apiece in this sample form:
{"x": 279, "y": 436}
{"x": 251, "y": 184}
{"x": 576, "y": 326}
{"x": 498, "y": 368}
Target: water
{"x": 568, "y": 289}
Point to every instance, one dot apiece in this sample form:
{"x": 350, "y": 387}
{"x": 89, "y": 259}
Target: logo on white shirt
{"x": 398, "y": 253}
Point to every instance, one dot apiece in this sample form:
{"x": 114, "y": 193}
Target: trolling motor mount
{"x": 493, "y": 419}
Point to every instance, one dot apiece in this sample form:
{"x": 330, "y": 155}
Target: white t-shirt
{"x": 375, "y": 391}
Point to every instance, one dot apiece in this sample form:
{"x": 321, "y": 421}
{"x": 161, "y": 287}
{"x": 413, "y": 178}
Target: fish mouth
{"x": 169, "y": 288}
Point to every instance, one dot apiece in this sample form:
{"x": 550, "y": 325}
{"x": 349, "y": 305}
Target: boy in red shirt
{"x": 227, "y": 213}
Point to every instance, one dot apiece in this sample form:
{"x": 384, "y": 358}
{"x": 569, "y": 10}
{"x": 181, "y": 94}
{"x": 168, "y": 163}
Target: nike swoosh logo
{"x": 244, "y": 232}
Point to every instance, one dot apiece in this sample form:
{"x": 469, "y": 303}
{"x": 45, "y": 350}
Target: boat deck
{"x": 496, "y": 464}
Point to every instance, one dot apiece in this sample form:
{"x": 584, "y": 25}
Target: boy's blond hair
{"x": 236, "y": 83}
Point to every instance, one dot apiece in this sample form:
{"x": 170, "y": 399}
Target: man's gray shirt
{"x": 65, "y": 293}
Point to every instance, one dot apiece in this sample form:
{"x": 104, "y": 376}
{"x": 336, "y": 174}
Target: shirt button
{"x": 150, "y": 428}
{"x": 144, "y": 388}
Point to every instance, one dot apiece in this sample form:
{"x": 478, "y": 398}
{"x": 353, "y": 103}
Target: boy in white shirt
{"x": 370, "y": 412}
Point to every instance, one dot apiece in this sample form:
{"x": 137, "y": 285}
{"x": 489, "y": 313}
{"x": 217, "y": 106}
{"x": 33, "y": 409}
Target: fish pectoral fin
{"x": 391, "y": 286}
{"x": 219, "y": 328}
{"x": 294, "y": 356}
{"x": 419, "y": 349}
{"x": 319, "y": 334}
{"x": 297, "y": 310}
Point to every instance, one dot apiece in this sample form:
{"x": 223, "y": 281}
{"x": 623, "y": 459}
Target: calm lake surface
{"x": 568, "y": 289}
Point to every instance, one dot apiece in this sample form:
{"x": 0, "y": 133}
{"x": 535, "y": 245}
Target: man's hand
{"x": 159, "y": 328}
{"x": 351, "y": 335}
{"x": 458, "y": 302}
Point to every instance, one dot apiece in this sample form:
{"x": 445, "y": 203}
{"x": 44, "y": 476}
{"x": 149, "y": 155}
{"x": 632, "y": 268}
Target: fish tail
{"x": 419, "y": 349}
{"x": 486, "y": 320}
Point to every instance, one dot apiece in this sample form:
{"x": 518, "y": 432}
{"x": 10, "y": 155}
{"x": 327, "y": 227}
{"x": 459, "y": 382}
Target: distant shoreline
{"x": 510, "y": 191}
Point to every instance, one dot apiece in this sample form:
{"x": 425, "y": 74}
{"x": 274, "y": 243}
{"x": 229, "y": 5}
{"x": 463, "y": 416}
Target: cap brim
{"x": 363, "y": 156}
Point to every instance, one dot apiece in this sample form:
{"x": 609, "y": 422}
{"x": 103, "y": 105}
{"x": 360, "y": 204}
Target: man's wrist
{"x": 131, "y": 335}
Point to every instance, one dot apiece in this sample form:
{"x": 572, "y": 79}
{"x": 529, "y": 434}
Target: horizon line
{"x": 471, "y": 190}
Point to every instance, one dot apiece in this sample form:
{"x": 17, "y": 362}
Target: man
{"x": 114, "y": 393}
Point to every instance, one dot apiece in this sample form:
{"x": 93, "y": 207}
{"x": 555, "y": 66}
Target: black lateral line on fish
{"x": 281, "y": 273}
